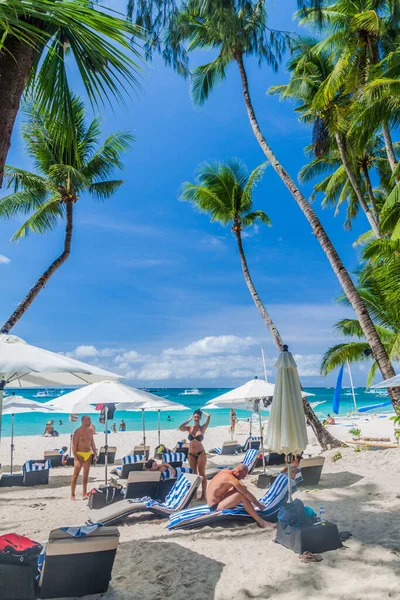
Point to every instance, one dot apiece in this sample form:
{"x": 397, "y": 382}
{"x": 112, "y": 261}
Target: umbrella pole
{"x": 106, "y": 448}
{"x": 144, "y": 432}
{"x": 159, "y": 427}
{"x": 2, "y": 386}
{"x": 12, "y": 443}
{"x": 71, "y": 435}
{"x": 251, "y": 421}
{"x": 289, "y": 460}
{"x": 262, "y": 438}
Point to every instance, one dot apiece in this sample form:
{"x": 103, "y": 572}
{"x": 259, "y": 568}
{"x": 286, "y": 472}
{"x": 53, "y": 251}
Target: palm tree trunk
{"x": 249, "y": 282}
{"x": 338, "y": 267}
{"x": 16, "y": 59}
{"x": 370, "y": 192}
{"x": 43, "y": 279}
{"x": 355, "y": 186}
{"x": 389, "y": 147}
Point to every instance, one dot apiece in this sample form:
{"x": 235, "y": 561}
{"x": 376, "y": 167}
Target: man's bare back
{"x": 226, "y": 491}
{"x": 83, "y": 448}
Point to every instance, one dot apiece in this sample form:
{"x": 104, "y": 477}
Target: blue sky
{"x": 152, "y": 288}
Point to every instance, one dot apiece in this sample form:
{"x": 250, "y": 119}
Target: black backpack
{"x": 293, "y": 515}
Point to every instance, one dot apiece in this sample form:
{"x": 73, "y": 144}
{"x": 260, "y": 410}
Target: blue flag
{"x": 336, "y": 396}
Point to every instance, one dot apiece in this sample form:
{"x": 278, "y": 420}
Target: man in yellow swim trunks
{"x": 83, "y": 448}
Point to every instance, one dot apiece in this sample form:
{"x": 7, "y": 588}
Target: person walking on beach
{"x": 122, "y": 426}
{"x": 233, "y": 421}
{"x": 197, "y": 455}
{"x": 83, "y": 448}
{"x": 226, "y": 491}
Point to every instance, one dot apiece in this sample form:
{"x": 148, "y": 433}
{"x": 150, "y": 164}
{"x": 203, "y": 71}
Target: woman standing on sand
{"x": 197, "y": 455}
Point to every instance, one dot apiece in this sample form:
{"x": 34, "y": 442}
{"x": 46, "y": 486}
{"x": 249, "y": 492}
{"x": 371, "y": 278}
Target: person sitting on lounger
{"x": 225, "y": 490}
{"x": 153, "y": 465}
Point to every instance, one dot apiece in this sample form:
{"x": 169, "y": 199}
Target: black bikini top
{"x": 198, "y": 438}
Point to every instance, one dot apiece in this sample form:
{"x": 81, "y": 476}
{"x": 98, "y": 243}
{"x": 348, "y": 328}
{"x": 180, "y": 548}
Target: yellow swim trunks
{"x": 85, "y": 455}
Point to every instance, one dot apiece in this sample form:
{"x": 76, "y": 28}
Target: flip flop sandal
{"x": 308, "y": 557}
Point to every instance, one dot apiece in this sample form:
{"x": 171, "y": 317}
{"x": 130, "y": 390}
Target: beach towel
{"x": 32, "y": 465}
{"x": 273, "y": 500}
{"x": 130, "y": 459}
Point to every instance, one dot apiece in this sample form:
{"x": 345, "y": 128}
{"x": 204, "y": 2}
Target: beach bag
{"x": 101, "y": 497}
{"x": 18, "y": 550}
{"x": 293, "y": 515}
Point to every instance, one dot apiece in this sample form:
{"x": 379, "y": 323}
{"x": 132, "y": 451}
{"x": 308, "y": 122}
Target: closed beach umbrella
{"x": 15, "y": 405}
{"x": 26, "y": 366}
{"x": 287, "y": 431}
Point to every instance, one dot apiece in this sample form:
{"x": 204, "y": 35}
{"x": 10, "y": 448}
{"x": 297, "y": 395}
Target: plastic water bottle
{"x": 322, "y": 518}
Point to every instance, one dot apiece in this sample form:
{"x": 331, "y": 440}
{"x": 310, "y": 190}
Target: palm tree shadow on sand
{"x": 161, "y": 570}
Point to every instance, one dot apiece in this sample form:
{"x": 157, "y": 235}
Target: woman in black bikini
{"x": 197, "y": 455}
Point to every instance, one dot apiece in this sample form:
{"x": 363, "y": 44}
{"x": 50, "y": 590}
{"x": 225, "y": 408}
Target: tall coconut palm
{"x": 310, "y": 69}
{"x": 38, "y": 40}
{"x": 62, "y": 176}
{"x": 224, "y": 191}
{"x": 386, "y": 316}
{"x": 235, "y": 34}
{"x": 358, "y": 34}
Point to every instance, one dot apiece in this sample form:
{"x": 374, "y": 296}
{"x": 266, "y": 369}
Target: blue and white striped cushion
{"x": 81, "y": 531}
{"x": 275, "y": 497}
{"x": 176, "y": 495}
{"x": 217, "y": 450}
{"x": 59, "y": 450}
{"x": 130, "y": 460}
{"x": 168, "y": 474}
{"x": 31, "y": 465}
{"x": 173, "y": 457}
{"x": 250, "y": 457}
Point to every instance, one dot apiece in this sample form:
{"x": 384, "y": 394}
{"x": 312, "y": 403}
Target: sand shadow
{"x": 163, "y": 570}
{"x": 336, "y": 480}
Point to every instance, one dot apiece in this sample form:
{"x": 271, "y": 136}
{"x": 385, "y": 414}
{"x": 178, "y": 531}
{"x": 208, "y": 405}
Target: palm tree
{"x": 38, "y": 39}
{"x": 224, "y": 191}
{"x": 310, "y": 70}
{"x": 386, "y": 316}
{"x": 234, "y": 34}
{"x": 63, "y": 175}
{"x": 358, "y": 34}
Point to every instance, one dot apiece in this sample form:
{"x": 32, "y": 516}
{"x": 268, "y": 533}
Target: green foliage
{"x": 63, "y": 173}
{"x": 224, "y": 191}
{"x": 337, "y": 456}
{"x": 101, "y": 42}
{"x": 355, "y": 432}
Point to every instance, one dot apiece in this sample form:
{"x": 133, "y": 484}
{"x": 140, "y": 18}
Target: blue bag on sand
{"x": 292, "y": 515}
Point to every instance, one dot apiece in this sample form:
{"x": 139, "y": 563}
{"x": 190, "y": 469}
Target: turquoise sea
{"x": 33, "y": 424}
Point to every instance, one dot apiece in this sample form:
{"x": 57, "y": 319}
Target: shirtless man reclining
{"x": 225, "y": 490}
{"x": 83, "y": 448}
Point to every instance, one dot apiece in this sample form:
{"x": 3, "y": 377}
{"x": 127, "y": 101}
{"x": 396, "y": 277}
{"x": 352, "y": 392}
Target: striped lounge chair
{"x": 36, "y": 472}
{"x": 178, "y": 499}
{"x": 175, "y": 459}
{"x": 199, "y": 516}
{"x": 252, "y": 442}
{"x": 249, "y": 459}
{"x": 130, "y": 463}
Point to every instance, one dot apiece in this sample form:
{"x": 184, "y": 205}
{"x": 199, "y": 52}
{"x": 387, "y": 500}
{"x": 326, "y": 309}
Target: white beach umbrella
{"x": 14, "y": 405}
{"x": 287, "y": 431}
{"x": 113, "y": 392}
{"x": 26, "y": 366}
{"x": 155, "y": 403}
{"x": 388, "y": 383}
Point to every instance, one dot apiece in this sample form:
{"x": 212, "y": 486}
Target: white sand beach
{"x": 358, "y": 492}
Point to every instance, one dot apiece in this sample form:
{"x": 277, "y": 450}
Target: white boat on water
{"x": 192, "y": 392}
{"x": 43, "y": 394}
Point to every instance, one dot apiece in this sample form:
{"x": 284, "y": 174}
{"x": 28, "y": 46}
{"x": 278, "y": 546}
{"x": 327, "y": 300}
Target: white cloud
{"x": 4, "y": 260}
{"x": 214, "y": 344}
{"x": 81, "y": 352}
